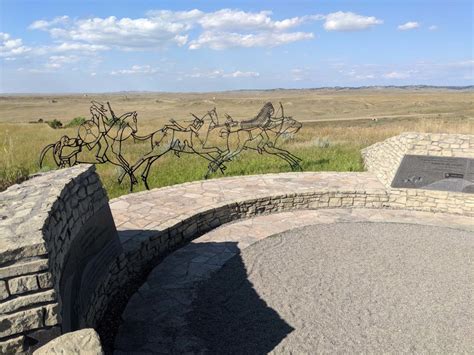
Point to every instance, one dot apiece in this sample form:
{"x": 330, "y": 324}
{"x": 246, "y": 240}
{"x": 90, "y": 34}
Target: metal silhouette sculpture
{"x": 104, "y": 133}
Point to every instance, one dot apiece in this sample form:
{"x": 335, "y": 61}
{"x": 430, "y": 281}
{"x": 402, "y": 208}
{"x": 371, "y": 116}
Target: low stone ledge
{"x": 44, "y": 223}
{"x": 206, "y": 254}
{"x": 151, "y": 224}
{"x": 84, "y": 341}
{"x": 189, "y": 210}
{"x": 383, "y": 159}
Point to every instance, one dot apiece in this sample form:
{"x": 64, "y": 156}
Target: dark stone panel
{"x": 435, "y": 173}
{"x": 92, "y": 251}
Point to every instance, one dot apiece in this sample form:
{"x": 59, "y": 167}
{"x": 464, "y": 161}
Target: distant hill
{"x": 322, "y": 88}
{"x": 373, "y": 87}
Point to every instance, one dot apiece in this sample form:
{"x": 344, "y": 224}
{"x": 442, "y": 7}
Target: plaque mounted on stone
{"x": 435, "y": 173}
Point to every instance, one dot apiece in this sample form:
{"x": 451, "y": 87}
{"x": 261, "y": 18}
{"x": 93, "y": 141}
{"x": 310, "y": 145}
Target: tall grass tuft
{"x": 333, "y": 146}
{"x": 11, "y": 171}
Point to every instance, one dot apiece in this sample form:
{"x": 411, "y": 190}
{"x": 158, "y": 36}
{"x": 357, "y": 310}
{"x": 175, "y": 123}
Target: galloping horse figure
{"x": 204, "y": 136}
{"x": 100, "y": 132}
{"x": 260, "y": 133}
{"x": 190, "y": 139}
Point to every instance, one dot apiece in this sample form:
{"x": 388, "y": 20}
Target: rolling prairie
{"x": 336, "y": 125}
{"x": 305, "y": 105}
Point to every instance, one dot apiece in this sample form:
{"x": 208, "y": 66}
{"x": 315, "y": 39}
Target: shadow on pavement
{"x": 221, "y": 315}
{"x": 230, "y": 317}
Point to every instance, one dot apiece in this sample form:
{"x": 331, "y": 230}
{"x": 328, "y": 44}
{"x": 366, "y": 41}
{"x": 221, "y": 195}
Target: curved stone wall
{"x": 383, "y": 159}
{"x": 50, "y": 221}
{"x": 58, "y": 236}
{"x": 50, "y": 226}
{"x": 194, "y": 216}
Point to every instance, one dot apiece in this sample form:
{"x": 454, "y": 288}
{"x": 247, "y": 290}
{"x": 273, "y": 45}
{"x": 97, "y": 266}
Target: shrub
{"x": 54, "y": 124}
{"x": 76, "y": 122}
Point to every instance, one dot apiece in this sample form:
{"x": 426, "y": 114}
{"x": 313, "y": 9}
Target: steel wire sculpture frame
{"x": 105, "y": 132}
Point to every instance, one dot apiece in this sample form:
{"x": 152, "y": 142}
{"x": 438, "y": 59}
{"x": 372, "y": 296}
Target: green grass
{"x": 12, "y": 175}
{"x": 75, "y": 122}
{"x": 331, "y": 146}
{"x": 170, "y": 169}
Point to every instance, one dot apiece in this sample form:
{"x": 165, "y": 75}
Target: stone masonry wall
{"x": 384, "y": 158}
{"x": 144, "y": 251}
{"x": 43, "y": 221}
{"x": 39, "y": 221}
{"x": 176, "y": 233}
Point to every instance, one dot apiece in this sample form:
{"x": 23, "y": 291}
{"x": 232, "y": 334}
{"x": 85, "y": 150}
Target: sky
{"x": 72, "y": 46}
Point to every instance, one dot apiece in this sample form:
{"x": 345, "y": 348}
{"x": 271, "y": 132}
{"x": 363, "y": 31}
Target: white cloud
{"x": 195, "y": 29}
{"x": 243, "y": 74}
{"x": 186, "y": 17}
{"x": 58, "y": 61}
{"x": 235, "y": 20}
{"x": 461, "y": 64}
{"x": 223, "y": 40}
{"x": 360, "y": 76}
{"x": 409, "y": 26}
{"x": 124, "y": 33}
{"x": 217, "y": 30}
{"x": 433, "y": 28}
{"x": 219, "y": 73}
{"x": 365, "y": 76}
{"x": 349, "y": 21}
{"x": 358, "y": 72}
{"x": 10, "y": 47}
{"x": 211, "y": 75}
{"x": 82, "y": 47}
{"x": 136, "y": 69}
{"x": 397, "y": 75}
{"x": 231, "y": 19}
{"x": 43, "y": 25}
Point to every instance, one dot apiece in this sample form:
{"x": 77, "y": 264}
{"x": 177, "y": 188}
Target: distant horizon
{"x": 184, "y": 46}
{"x": 414, "y": 86}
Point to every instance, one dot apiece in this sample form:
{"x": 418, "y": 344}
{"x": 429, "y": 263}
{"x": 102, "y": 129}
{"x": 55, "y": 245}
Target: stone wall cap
{"x": 25, "y": 209}
{"x": 84, "y": 341}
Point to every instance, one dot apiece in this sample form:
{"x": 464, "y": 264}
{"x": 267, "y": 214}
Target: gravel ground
{"x": 347, "y": 287}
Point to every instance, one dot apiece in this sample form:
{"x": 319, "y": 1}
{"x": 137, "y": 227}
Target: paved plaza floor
{"x": 331, "y": 280}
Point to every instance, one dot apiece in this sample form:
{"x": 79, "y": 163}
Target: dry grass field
{"x": 336, "y": 125}
{"x": 305, "y": 105}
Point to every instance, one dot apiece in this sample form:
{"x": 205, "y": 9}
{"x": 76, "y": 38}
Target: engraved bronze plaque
{"x": 435, "y": 173}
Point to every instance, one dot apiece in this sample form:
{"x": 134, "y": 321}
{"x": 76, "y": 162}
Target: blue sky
{"x": 103, "y": 46}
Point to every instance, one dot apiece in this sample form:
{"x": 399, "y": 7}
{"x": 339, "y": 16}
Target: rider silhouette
{"x": 99, "y": 117}
{"x": 262, "y": 119}
{"x": 194, "y": 126}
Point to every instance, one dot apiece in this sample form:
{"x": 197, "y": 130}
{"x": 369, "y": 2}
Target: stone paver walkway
{"x": 155, "y": 318}
{"x": 155, "y": 210}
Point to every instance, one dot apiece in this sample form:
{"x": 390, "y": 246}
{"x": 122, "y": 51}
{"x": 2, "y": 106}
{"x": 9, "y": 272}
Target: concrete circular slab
{"x": 348, "y": 287}
{"x": 330, "y": 280}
